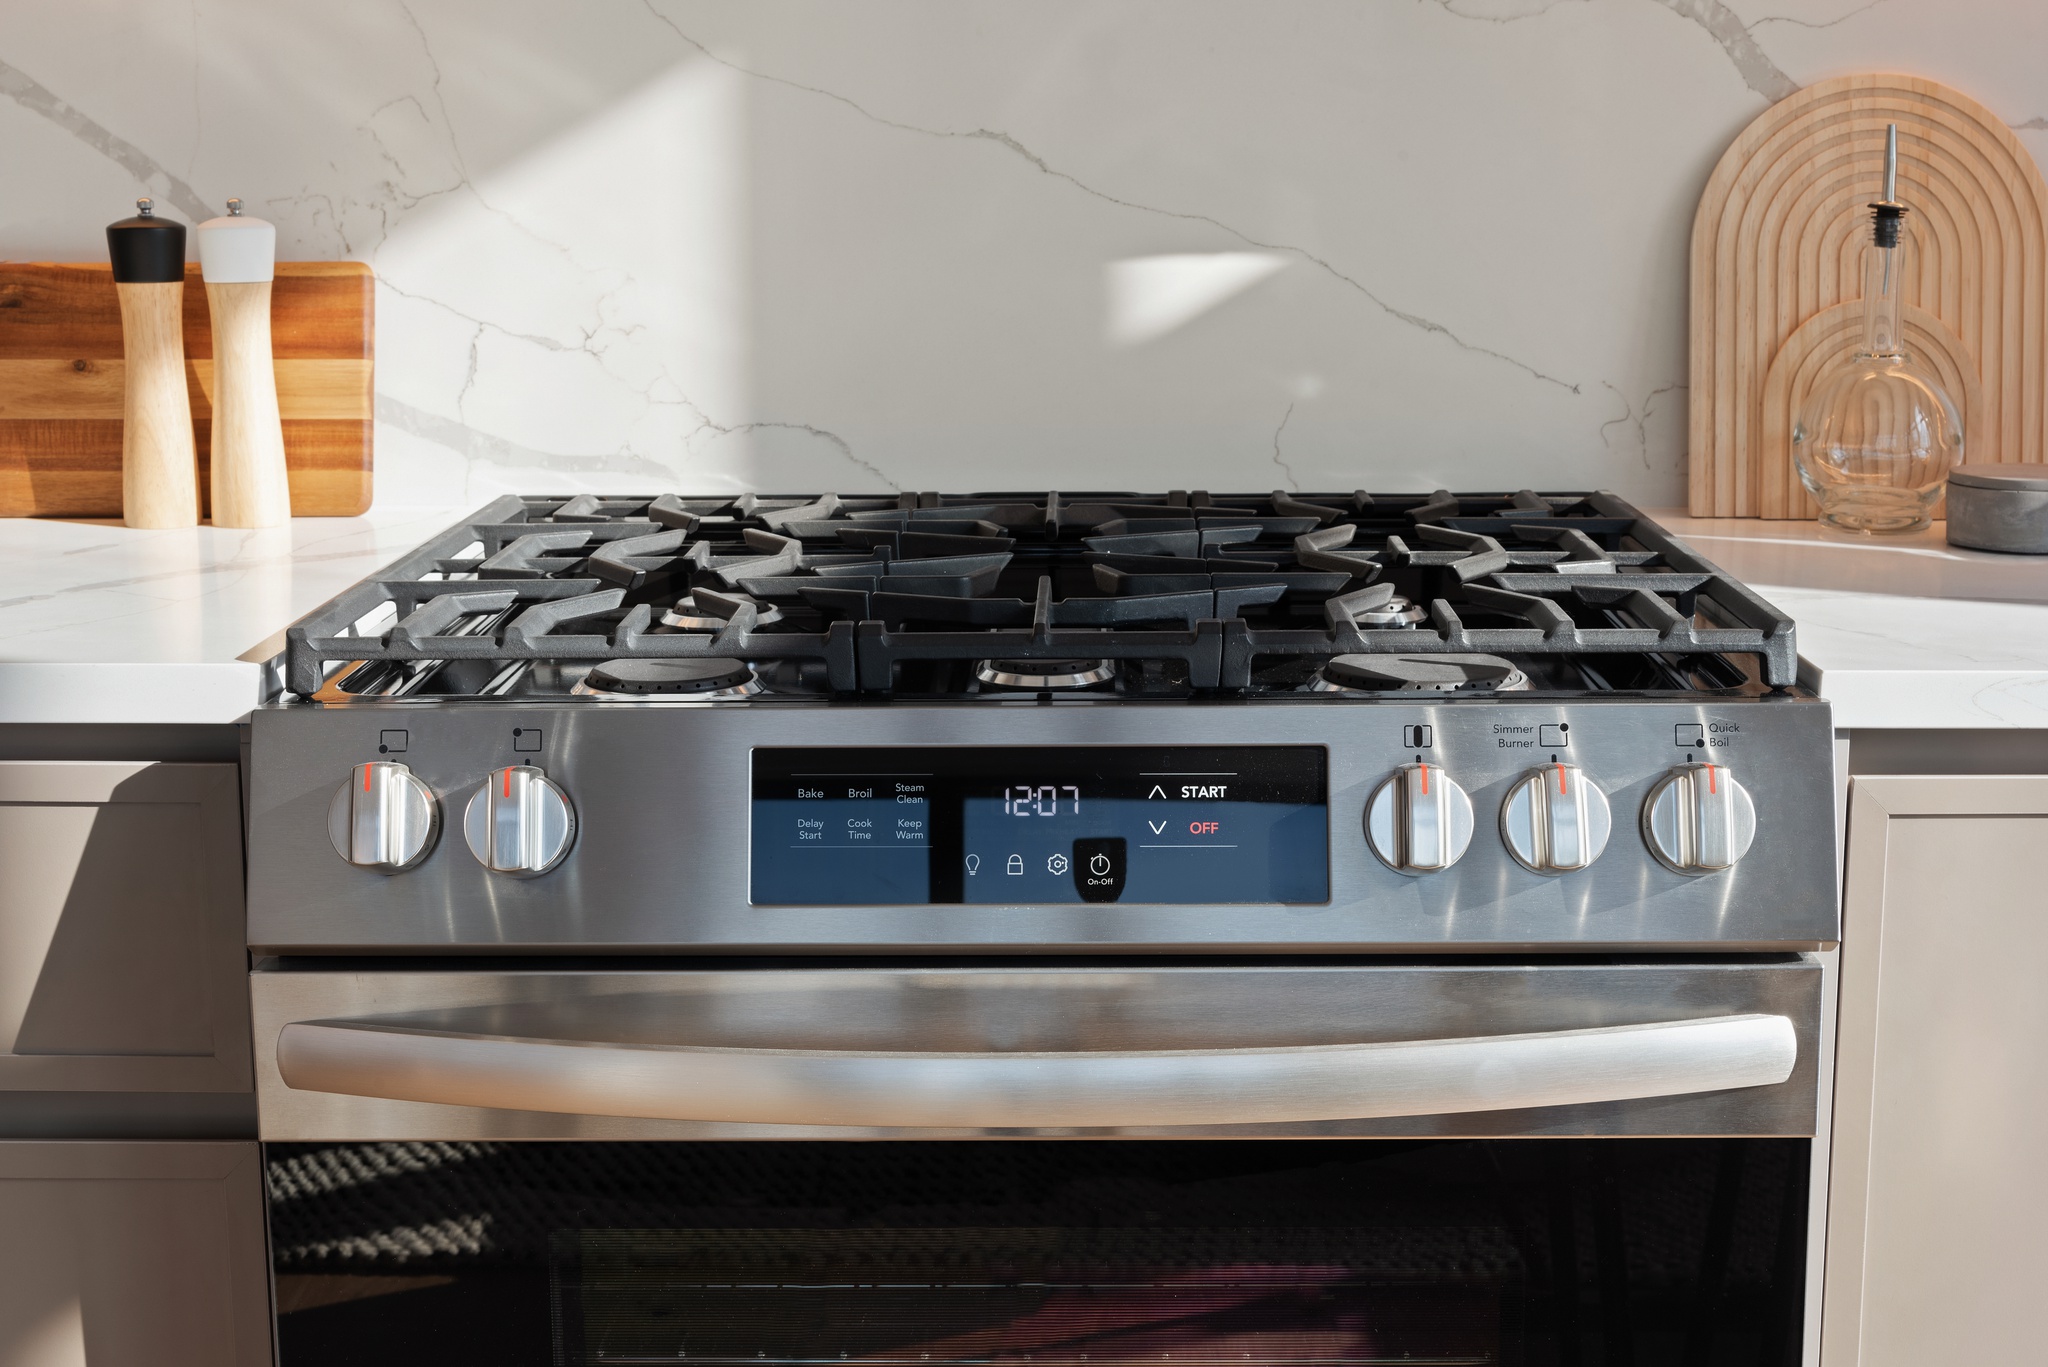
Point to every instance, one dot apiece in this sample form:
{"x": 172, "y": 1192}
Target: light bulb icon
{"x": 973, "y": 864}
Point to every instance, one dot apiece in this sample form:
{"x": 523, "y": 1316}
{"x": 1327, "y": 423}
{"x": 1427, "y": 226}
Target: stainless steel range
{"x": 961, "y": 818}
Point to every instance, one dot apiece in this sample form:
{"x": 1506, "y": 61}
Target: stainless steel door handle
{"x": 404, "y": 1062}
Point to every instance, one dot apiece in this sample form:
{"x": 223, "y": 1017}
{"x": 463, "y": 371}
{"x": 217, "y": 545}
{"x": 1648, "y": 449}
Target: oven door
{"x": 1175, "y": 1222}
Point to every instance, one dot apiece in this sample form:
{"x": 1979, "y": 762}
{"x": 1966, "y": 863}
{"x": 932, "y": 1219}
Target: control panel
{"x": 1186, "y": 825}
{"x": 866, "y": 830}
{"x": 1499, "y": 823}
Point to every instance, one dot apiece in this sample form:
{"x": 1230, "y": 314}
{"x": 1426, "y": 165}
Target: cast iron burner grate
{"x": 1186, "y": 592}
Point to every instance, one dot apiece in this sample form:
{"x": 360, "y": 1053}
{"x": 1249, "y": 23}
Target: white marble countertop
{"x": 102, "y": 624}
{"x": 99, "y": 623}
{"x": 1898, "y": 632}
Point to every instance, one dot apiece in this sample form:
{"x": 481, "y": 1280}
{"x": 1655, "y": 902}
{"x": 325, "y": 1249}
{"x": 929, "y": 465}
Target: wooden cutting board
{"x": 61, "y": 385}
{"x": 1777, "y": 248}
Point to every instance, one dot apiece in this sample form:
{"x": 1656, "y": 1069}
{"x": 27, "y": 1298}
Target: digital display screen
{"x": 1175, "y": 825}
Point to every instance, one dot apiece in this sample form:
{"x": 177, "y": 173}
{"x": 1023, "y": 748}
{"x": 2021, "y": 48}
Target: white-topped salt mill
{"x": 238, "y": 259}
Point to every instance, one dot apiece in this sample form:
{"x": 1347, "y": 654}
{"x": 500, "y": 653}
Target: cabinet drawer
{"x": 147, "y": 1252}
{"x": 121, "y": 943}
{"x": 1936, "y": 1203}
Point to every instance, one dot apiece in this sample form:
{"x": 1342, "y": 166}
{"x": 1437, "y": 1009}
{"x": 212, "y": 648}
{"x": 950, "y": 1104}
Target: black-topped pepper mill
{"x": 159, "y": 461}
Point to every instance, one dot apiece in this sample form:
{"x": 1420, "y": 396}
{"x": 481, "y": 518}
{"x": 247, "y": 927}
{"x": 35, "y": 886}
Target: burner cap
{"x": 1045, "y": 673}
{"x": 1422, "y": 673}
{"x": 670, "y": 679}
{"x": 686, "y": 615}
{"x": 1395, "y": 612}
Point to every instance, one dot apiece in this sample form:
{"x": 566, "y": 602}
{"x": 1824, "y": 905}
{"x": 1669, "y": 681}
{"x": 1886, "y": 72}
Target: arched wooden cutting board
{"x": 1778, "y": 239}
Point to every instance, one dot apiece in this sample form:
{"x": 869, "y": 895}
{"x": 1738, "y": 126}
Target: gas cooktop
{"x": 1087, "y": 596}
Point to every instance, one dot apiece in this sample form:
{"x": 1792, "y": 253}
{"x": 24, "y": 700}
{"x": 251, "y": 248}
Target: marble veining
{"x": 157, "y": 180}
{"x": 799, "y": 245}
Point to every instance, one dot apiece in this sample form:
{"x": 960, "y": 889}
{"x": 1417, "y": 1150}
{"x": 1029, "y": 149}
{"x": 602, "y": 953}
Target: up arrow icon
{"x": 1157, "y": 791}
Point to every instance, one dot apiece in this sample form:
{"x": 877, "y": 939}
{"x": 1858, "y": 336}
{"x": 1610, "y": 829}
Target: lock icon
{"x": 1016, "y": 864}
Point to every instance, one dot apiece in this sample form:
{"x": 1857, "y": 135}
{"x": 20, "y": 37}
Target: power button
{"x": 1099, "y": 868}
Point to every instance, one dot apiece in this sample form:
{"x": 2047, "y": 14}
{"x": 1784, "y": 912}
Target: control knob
{"x": 1419, "y": 820}
{"x": 383, "y": 818}
{"x": 1698, "y": 819}
{"x": 1555, "y": 819}
{"x": 519, "y": 822}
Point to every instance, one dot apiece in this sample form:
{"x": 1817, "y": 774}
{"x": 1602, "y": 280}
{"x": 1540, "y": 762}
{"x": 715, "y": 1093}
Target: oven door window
{"x": 1171, "y": 1254}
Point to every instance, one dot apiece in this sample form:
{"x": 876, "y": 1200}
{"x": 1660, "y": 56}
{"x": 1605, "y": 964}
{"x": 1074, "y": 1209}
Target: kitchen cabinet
{"x": 132, "y": 1253}
{"x": 1940, "y": 1137}
{"x": 122, "y": 960}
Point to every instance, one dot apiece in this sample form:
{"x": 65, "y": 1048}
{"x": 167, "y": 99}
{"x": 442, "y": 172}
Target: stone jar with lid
{"x": 1999, "y": 508}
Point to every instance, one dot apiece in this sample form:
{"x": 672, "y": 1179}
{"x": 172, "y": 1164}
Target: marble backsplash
{"x": 935, "y": 244}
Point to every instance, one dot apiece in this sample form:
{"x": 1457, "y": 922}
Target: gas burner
{"x": 686, "y": 615}
{"x": 642, "y": 680}
{"x": 1419, "y": 674}
{"x": 1042, "y": 674}
{"x": 1395, "y": 612}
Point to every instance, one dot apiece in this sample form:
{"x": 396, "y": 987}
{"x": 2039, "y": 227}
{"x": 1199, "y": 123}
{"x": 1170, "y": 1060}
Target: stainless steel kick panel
{"x": 1427, "y": 1050}
{"x": 661, "y": 794}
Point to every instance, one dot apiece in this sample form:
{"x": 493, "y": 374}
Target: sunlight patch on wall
{"x": 1150, "y": 296}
